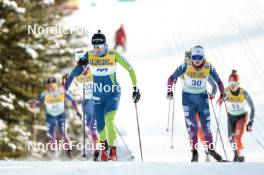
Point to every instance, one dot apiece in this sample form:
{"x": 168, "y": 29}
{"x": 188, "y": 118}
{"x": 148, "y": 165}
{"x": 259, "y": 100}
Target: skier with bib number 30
{"x": 102, "y": 62}
{"x": 195, "y": 97}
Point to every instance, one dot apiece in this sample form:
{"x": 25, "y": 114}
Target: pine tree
{"x": 26, "y": 60}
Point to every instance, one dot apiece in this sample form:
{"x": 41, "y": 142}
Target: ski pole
{"x": 218, "y": 128}
{"x": 84, "y": 116}
{"x": 168, "y": 121}
{"x": 172, "y": 122}
{"x": 65, "y": 93}
{"x": 216, "y": 136}
{"x": 258, "y": 140}
{"x": 120, "y": 135}
{"x": 141, "y": 154}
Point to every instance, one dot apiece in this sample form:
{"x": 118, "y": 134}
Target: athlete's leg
{"x": 51, "y": 125}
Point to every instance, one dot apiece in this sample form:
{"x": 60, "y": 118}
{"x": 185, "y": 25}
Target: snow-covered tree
{"x": 26, "y": 60}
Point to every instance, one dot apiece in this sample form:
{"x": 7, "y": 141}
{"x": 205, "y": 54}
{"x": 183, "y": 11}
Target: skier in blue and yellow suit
{"x": 196, "y": 73}
{"x": 102, "y": 63}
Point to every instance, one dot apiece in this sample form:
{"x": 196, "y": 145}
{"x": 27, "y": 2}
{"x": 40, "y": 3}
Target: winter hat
{"x": 197, "y": 50}
{"x": 234, "y": 76}
{"x": 98, "y": 38}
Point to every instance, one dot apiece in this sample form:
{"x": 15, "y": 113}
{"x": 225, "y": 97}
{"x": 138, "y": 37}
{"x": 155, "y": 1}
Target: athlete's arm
{"x": 214, "y": 86}
{"x": 125, "y": 64}
{"x": 251, "y": 105}
{"x": 41, "y": 97}
{"x": 77, "y": 70}
{"x": 71, "y": 99}
{"x": 217, "y": 79}
{"x": 178, "y": 72}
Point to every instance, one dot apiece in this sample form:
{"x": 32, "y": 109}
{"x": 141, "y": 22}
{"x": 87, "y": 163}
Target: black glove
{"x": 170, "y": 95}
{"x": 249, "y": 126}
{"x": 224, "y": 97}
{"x": 82, "y": 61}
{"x": 79, "y": 115}
{"x": 136, "y": 94}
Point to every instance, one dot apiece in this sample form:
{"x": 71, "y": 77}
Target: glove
{"x": 82, "y": 61}
{"x": 79, "y": 57}
{"x": 136, "y": 94}
{"x": 222, "y": 98}
{"x": 34, "y": 104}
{"x": 64, "y": 79}
{"x": 249, "y": 126}
{"x": 211, "y": 96}
{"x": 79, "y": 115}
{"x": 170, "y": 95}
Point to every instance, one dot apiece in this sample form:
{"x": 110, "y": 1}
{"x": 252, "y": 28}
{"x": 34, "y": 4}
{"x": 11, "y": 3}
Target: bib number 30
{"x": 196, "y": 83}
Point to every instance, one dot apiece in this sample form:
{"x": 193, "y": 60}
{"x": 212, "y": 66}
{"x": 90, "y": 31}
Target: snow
{"x": 47, "y": 2}
{"x": 7, "y": 101}
{"x": 30, "y": 49}
{"x": 128, "y": 168}
{"x": 158, "y": 35}
{"x": 13, "y": 5}
{"x": 2, "y": 21}
{"x": 2, "y": 125}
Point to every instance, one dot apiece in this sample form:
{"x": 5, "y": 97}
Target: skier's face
{"x": 197, "y": 60}
{"x": 99, "y": 48}
{"x": 52, "y": 86}
{"x": 233, "y": 85}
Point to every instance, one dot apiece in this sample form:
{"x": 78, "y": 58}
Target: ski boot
{"x": 195, "y": 156}
{"x": 113, "y": 155}
{"x": 69, "y": 154}
{"x": 96, "y": 155}
{"x": 104, "y": 152}
{"x": 238, "y": 158}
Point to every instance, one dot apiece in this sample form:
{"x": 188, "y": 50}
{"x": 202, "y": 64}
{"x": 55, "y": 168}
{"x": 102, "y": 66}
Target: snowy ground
{"x": 121, "y": 168}
{"x": 232, "y": 32}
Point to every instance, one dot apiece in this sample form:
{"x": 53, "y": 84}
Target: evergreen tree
{"x": 26, "y": 59}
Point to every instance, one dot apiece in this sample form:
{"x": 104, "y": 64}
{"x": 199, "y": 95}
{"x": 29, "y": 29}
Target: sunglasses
{"x": 197, "y": 57}
{"x": 99, "y": 46}
{"x": 233, "y": 83}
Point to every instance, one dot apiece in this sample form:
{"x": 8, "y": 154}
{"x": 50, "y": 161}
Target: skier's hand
{"x": 34, "y": 104}
{"x": 79, "y": 115}
{"x": 80, "y": 59}
{"x": 249, "y": 126}
{"x": 170, "y": 95}
{"x": 136, "y": 94}
{"x": 222, "y": 98}
{"x": 211, "y": 96}
{"x": 64, "y": 79}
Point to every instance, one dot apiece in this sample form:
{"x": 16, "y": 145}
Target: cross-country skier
{"x": 54, "y": 101}
{"x": 85, "y": 82}
{"x": 237, "y": 99}
{"x": 106, "y": 90}
{"x": 211, "y": 97}
{"x": 195, "y": 97}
